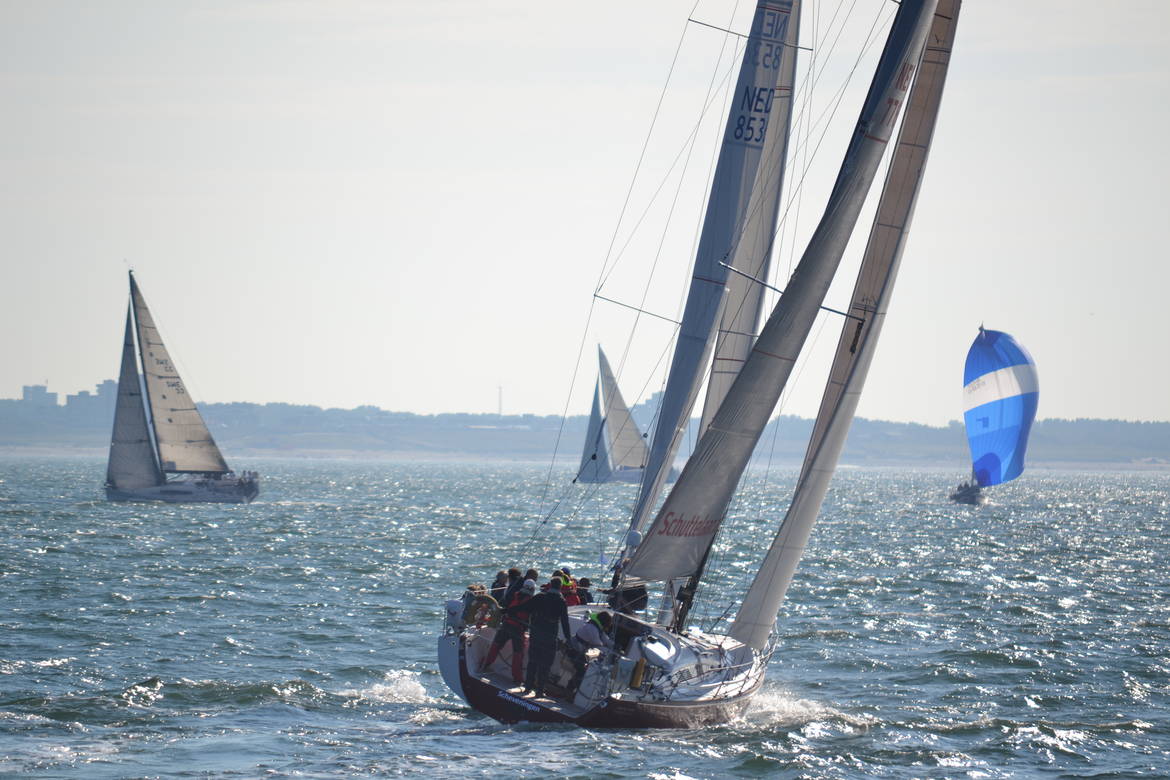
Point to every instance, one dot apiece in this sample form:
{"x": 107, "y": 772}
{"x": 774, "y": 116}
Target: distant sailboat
{"x": 614, "y": 448}
{"x": 175, "y": 440}
{"x": 1000, "y": 393}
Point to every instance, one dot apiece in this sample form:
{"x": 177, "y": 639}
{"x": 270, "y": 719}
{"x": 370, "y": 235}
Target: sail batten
{"x": 676, "y": 543}
{"x": 858, "y": 342}
{"x": 759, "y": 86}
{"x": 184, "y": 443}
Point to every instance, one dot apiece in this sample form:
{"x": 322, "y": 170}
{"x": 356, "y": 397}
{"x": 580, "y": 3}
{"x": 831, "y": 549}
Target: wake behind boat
{"x": 661, "y": 671}
{"x": 171, "y": 456}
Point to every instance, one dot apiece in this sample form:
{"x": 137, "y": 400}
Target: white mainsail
{"x": 613, "y": 440}
{"x": 676, "y": 544}
{"x": 184, "y": 443}
{"x": 744, "y": 301}
{"x": 858, "y": 342}
{"x": 132, "y": 464}
{"x": 761, "y": 81}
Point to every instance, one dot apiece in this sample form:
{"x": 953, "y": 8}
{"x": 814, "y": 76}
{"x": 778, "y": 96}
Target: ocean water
{"x": 295, "y": 637}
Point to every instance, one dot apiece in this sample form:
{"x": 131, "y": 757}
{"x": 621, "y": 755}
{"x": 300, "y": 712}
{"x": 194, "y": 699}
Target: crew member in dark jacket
{"x": 546, "y": 613}
{"x": 583, "y": 591}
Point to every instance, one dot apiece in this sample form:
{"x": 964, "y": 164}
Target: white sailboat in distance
{"x": 161, "y": 449}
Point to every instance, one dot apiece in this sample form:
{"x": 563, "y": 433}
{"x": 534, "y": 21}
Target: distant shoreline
{"x": 241, "y": 457}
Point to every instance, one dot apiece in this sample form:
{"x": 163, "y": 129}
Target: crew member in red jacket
{"x": 512, "y": 629}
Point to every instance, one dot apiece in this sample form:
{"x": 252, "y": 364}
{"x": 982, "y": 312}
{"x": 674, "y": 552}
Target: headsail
{"x": 761, "y": 80}
{"x": 613, "y": 440}
{"x": 676, "y": 544}
{"x": 1000, "y": 393}
{"x": 858, "y": 341}
{"x": 132, "y": 464}
{"x": 184, "y": 443}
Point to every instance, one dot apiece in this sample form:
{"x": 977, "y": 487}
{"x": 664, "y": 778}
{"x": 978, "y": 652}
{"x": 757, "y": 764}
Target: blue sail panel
{"x": 1001, "y": 393}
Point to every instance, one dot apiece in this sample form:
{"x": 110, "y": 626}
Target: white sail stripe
{"x": 1001, "y": 385}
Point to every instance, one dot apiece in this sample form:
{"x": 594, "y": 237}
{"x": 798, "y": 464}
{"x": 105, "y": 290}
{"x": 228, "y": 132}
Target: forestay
{"x": 761, "y": 80}
{"x": 132, "y": 464}
{"x": 676, "y": 543}
{"x": 184, "y": 443}
{"x": 859, "y": 338}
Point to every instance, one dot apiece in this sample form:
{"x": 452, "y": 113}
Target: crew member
{"x": 547, "y": 612}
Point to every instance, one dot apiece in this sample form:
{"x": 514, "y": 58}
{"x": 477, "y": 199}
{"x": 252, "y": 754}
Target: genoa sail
{"x": 613, "y": 441}
{"x": 677, "y": 542}
{"x": 761, "y": 79}
{"x": 132, "y": 464}
{"x": 184, "y": 443}
{"x": 1001, "y": 391}
{"x": 859, "y": 334}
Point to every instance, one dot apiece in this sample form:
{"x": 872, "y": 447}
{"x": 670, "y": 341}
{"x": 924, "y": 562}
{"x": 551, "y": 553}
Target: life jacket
{"x": 518, "y": 619}
{"x": 570, "y": 593}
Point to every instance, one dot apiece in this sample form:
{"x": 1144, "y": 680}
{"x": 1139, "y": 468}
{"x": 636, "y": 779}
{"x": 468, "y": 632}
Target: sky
{"x": 410, "y": 204}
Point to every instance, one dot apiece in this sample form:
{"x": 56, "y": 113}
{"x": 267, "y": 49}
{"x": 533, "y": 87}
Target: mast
{"x": 858, "y": 340}
{"x": 677, "y": 543}
{"x": 760, "y": 82}
{"x": 132, "y": 463}
{"x": 184, "y": 443}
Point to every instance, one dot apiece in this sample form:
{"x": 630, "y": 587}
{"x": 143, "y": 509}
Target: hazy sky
{"x": 409, "y": 204}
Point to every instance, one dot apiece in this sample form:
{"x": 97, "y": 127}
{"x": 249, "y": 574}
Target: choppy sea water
{"x": 295, "y": 637}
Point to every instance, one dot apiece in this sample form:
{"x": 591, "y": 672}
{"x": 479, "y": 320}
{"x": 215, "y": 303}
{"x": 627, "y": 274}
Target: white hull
{"x": 223, "y": 490}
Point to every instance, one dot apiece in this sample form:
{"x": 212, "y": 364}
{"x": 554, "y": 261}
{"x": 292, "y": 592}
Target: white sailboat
{"x": 664, "y": 672}
{"x": 614, "y": 448}
{"x": 170, "y": 455}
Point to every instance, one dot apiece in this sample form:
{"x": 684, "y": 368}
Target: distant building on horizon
{"x": 38, "y": 396}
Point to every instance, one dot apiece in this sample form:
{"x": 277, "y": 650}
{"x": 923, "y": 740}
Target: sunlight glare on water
{"x": 296, "y": 636}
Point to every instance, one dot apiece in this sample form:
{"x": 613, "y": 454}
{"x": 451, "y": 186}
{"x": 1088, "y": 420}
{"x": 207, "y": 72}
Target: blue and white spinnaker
{"x": 1000, "y": 393}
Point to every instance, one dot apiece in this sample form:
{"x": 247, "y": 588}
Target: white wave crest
{"x": 780, "y": 708}
{"x": 400, "y": 687}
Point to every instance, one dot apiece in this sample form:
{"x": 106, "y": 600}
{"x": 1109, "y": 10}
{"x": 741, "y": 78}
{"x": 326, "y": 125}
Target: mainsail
{"x": 184, "y": 443}
{"x": 859, "y": 336}
{"x": 771, "y": 42}
{"x": 132, "y": 464}
{"x": 752, "y": 255}
{"x": 676, "y": 544}
{"x": 1000, "y": 393}
{"x": 613, "y": 440}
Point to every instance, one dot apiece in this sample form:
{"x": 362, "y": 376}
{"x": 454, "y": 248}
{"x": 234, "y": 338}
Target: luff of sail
{"x": 760, "y": 79}
{"x": 1001, "y": 391}
{"x": 858, "y": 341}
{"x": 613, "y": 440}
{"x": 132, "y": 464}
{"x": 184, "y": 443}
{"x": 751, "y": 257}
{"x": 677, "y": 542}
